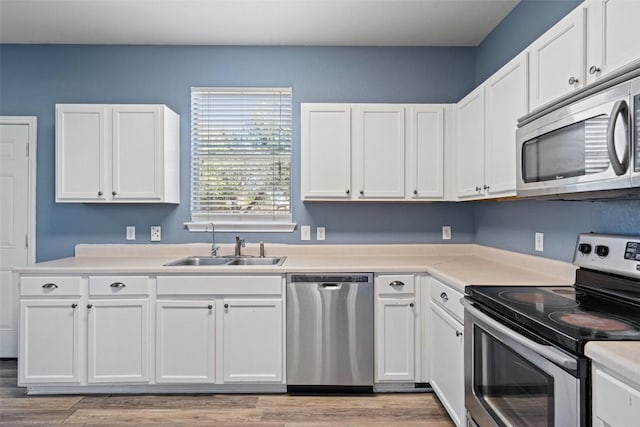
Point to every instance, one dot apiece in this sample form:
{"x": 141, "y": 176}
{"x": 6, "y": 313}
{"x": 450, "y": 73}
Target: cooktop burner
{"x": 594, "y": 322}
{"x": 536, "y": 296}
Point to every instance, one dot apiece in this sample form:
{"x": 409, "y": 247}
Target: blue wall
{"x": 33, "y": 78}
{"x": 512, "y": 224}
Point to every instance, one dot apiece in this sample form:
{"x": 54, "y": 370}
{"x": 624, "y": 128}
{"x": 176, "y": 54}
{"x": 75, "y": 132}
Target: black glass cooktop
{"x": 567, "y": 316}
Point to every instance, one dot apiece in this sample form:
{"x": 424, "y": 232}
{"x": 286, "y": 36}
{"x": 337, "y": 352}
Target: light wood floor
{"x": 16, "y": 409}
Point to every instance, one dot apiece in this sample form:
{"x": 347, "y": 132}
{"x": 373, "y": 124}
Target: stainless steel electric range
{"x": 524, "y": 346}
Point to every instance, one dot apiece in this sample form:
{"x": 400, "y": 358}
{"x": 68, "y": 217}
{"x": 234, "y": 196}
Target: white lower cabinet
{"x": 447, "y": 349}
{"x": 49, "y": 341}
{"x": 616, "y": 402}
{"x": 395, "y": 340}
{"x": 181, "y": 356}
{"x": 253, "y": 340}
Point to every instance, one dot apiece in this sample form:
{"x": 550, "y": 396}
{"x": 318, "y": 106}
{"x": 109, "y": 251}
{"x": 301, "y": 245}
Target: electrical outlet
{"x": 305, "y": 232}
{"x": 131, "y": 232}
{"x": 446, "y": 232}
{"x": 320, "y": 233}
{"x": 156, "y": 233}
{"x": 539, "y": 242}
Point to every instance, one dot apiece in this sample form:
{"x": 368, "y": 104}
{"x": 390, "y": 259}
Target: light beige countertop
{"x": 621, "y": 357}
{"x": 456, "y": 264}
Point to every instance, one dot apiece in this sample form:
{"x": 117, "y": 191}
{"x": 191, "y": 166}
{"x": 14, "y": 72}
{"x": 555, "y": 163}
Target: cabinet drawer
{"x": 118, "y": 285}
{"x": 616, "y": 403}
{"x": 394, "y": 284}
{"x": 53, "y": 286}
{"x": 447, "y": 298}
{"x": 219, "y": 285}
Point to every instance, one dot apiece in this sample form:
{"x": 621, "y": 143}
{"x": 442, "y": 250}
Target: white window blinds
{"x": 240, "y": 153}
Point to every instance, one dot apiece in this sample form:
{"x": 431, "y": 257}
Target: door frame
{"x": 32, "y": 123}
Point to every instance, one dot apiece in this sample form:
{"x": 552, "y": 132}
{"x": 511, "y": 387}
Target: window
{"x": 241, "y": 159}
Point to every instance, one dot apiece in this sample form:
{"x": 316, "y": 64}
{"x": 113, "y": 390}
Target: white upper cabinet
{"x": 425, "y": 152}
{"x": 379, "y": 151}
{"x": 557, "y": 60}
{"x": 117, "y": 153}
{"x": 506, "y": 99}
{"x": 613, "y": 39}
{"x": 326, "y": 151}
{"x": 469, "y": 153}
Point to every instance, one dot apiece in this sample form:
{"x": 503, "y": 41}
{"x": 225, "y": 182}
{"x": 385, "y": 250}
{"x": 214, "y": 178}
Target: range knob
{"x": 602, "y": 251}
{"x": 584, "y": 248}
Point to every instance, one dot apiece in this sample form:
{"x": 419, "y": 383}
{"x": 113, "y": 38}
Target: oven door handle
{"x": 545, "y": 351}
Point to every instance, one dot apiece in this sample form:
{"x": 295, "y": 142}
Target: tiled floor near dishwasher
{"x": 16, "y": 409}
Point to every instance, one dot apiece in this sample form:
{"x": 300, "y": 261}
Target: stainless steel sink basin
{"x": 257, "y": 261}
{"x": 208, "y": 260}
{"x": 199, "y": 261}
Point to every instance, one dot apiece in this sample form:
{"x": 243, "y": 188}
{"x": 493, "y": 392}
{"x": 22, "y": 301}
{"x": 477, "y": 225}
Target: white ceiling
{"x": 252, "y": 22}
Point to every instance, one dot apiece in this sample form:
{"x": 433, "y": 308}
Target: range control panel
{"x": 612, "y": 253}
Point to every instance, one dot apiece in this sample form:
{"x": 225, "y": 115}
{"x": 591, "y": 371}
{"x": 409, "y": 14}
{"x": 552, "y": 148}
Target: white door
{"x": 425, "y": 152}
{"x": 185, "y": 341}
{"x": 447, "y": 363}
{"x": 379, "y": 147}
{"x": 557, "y": 60}
{"x": 505, "y": 102}
{"x": 118, "y": 338}
{"x": 17, "y": 219}
{"x": 469, "y": 136}
{"x": 395, "y": 340}
{"x": 613, "y": 39}
{"x": 82, "y": 136}
{"x": 252, "y": 340}
{"x": 326, "y": 151}
{"x": 137, "y": 152}
{"x": 50, "y": 341}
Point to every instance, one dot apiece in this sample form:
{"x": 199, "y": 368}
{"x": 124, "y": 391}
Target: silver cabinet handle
{"x": 486, "y": 187}
{"x": 573, "y": 80}
{"x": 49, "y": 286}
{"x": 478, "y": 188}
{"x": 396, "y": 283}
{"x": 444, "y": 296}
{"x": 620, "y": 108}
{"x": 117, "y": 285}
{"x": 593, "y": 70}
{"x": 458, "y": 333}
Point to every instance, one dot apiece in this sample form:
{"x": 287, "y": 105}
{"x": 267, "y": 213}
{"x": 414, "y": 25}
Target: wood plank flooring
{"x": 389, "y": 409}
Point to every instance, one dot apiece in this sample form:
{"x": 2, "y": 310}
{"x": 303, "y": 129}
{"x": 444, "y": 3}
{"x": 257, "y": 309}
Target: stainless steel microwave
{"x": 586, "y": 147}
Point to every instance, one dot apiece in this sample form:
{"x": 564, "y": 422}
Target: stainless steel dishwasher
{"x": 330, "y": 332}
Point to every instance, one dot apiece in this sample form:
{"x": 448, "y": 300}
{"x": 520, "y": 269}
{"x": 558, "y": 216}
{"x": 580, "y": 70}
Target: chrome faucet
{"x": 214, "y": 248}
{"x": 239, "y": 245}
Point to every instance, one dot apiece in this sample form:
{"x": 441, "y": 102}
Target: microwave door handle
{"x": 545, "y": 351}
{"x": 620, "y": 107}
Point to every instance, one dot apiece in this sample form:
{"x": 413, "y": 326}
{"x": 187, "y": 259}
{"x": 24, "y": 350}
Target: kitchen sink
{"x": 209, "y": 261}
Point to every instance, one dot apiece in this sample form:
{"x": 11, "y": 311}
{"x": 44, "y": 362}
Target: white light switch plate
{"x": 539, "y": 242}
{"x": 320, "y": 233}
{"x": 305, "y": 232}
{"x": 131, "y": 232}
{"x": 446, "y": 232}
{"x": 156, "y": 233}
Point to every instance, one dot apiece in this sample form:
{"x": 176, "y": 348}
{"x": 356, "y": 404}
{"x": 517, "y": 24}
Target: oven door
{"x": 511, "y": 380}
{"x": 582, "y": 147}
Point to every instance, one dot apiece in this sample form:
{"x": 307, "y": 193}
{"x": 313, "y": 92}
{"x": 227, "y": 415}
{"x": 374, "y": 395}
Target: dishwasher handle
{"x": 331, "y": 286}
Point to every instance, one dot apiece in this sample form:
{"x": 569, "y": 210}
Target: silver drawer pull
{"x": 458, "y": 333}
{"x": 444, "y": 296}
{"x": 49, "y": 286}
{"x": 117, "y": 285}
{"x": 396, "y": 283}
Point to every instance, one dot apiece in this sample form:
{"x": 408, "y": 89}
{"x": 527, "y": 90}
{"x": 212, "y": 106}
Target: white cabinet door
{"x": 613, "y": 39}
{"x": 185, "y": 341}
{"x": 379, "y": 151}
{"x": 253, "y": 340}
{"x": 81, "y": 138}
{"x": 557, "y": 60}
{"x": 469, "y": 136}
{"x": 326, "y": 151}
{"x": 505, "y": 101}
{"x": 49, "y": 341}
{"x": 395, "y": 340}
{"x": 447, "y": 363}
{"x": 425, "y": 152}
{"x": 615, "y": 403}
{"x": 137, "y": 152}
{"x": 118, "y": 340}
